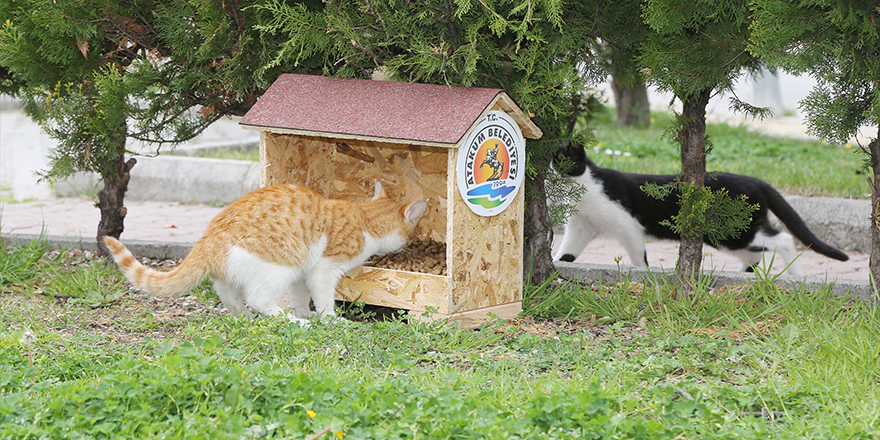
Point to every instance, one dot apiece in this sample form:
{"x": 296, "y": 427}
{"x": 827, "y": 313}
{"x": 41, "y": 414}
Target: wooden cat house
{"x": 460, "y": 149}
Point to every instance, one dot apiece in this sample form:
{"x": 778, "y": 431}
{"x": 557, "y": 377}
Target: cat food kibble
{"x": 423, "y": 255}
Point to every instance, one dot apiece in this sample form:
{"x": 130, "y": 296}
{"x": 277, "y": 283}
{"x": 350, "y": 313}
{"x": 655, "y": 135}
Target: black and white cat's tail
{"x": 795, "y": 224}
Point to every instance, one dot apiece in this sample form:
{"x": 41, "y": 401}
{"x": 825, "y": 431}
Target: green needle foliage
{"x": 103, "y": 77}
{"x": 71, "y": 59}
{"x": 712, "y": 214}
{"x": 838, "y": 44}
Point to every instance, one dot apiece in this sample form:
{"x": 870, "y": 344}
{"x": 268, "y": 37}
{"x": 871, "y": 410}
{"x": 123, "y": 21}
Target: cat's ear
{"x": 415, "y": 211}
{"x": 380, "y": 192}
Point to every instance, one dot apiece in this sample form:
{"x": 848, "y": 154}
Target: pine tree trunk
{"x": 693, "y": 170}
{"x": 874, "y": 263}
{"x": 111, "y": 199}
{"x": 632, "y": 104}
{"x": 537, "y": 233}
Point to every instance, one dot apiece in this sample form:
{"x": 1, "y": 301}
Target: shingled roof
{"x": 422, "y": 114}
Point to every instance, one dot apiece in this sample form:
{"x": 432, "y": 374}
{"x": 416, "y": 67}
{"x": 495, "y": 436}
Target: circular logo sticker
{"x": 491, "y": 165}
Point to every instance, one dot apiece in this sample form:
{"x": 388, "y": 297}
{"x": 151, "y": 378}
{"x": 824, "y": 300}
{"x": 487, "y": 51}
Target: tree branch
{"x": 444, "y": 12}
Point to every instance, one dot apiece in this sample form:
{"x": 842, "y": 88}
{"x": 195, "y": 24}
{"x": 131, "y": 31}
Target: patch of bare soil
{"x": 130, "y": 318}
{"x": 595, "y": 327}
{"x": 135, "y": 316}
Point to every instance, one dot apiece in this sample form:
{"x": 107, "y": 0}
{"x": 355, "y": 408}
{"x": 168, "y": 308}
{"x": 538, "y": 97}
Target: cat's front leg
{"x": 321, "y": 282}
{"x": 299, "y": 299}
{"x": 578, "y": 234}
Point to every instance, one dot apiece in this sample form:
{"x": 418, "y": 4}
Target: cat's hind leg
{"x": 264, "y": 284}
{"x": 767, "y": 250}
{"x": 232, "y": 297}
{"x": 634, "y": 244}
{"x": 578, "y": 234}
{"x": 265, "y": 297}
{"x": 783, "y": 244}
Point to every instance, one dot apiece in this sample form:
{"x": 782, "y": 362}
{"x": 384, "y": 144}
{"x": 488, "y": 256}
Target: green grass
{"x": 795, "y": 167}
{"x": 750, "y": 361}
{"x": 22, "y": 266}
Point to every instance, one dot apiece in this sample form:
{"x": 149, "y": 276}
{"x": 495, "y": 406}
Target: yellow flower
{"x": 339, "y": 434}
{"x": 848, "y": 145}
{"x": 311, "y": 414}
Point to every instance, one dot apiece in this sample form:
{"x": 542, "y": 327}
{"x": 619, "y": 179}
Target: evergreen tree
{"x": 528, "y": 48}
{"x": 98, "y": 73}
{"x": 620, "y": 30}
{"x": 838, "y": 44}
{"x": 631, "y": 102}
{"x": 695, "y": 51}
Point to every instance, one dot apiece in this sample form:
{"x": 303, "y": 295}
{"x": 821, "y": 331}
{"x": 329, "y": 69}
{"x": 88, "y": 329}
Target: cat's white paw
{"x": 302, "y": 322}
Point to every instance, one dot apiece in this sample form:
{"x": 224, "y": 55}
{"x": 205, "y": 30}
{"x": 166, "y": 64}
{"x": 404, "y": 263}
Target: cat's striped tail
{"x": 176, "y": 282}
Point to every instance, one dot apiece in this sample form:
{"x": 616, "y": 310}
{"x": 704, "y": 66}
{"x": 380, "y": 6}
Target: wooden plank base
{"x": 471, "y": 318}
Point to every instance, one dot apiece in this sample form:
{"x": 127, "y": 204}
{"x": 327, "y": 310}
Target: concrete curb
{"x": 140, "y": 248}
{"x": 842, "y": 223}
{"x": 8, "y": 103}
{"x": 842, "y": 287}
{"x": 180, "y": 179}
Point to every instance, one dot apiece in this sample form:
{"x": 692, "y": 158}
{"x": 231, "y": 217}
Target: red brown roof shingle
{"x": 381, "y": 109}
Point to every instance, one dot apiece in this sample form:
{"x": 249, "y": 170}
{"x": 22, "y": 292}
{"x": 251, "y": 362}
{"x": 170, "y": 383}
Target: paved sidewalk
{"x": 664, "y": 254}
{"x": 74, "y": 217}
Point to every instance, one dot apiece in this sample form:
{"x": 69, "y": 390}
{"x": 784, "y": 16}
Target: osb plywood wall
{"x": 349, "y": 169}
{"x": 394, "y": 288}
{"x": 486, "y": 255}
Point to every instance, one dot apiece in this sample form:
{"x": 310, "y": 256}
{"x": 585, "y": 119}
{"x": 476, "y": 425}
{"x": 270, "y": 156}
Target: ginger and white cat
{"x": 282, "y": 239}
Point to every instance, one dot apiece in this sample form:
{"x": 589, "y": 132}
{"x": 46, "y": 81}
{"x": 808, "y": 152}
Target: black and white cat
{"x": 614, "y": 205}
